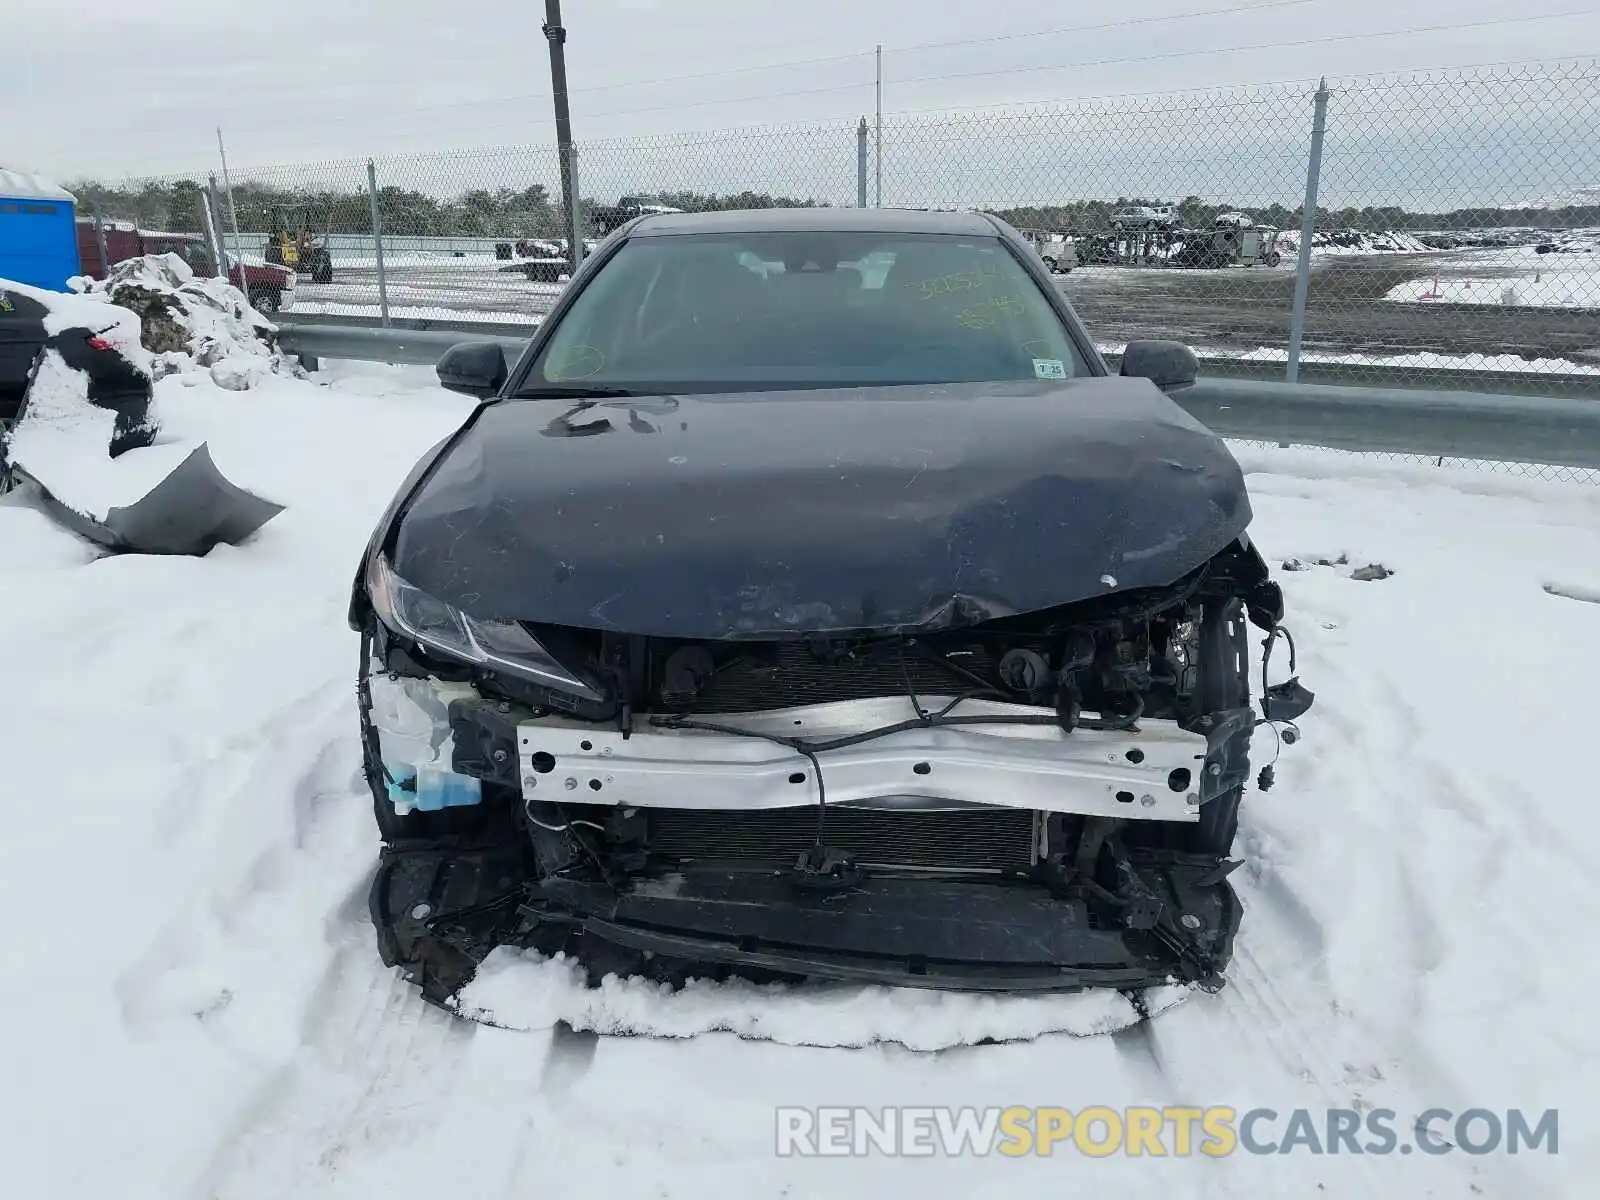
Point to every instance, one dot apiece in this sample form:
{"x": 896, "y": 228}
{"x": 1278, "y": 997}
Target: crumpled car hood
{"x": 767, "y": 515}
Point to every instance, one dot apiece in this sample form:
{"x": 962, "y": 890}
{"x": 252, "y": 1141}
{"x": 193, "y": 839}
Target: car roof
{"x": 820, "y": 220}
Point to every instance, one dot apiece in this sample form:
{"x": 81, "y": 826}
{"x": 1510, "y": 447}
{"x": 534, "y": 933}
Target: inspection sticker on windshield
{"x": 1049, "y": 368}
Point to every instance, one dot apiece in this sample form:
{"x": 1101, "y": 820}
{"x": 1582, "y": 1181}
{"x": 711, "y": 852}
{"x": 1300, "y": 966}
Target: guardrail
{"x": 1548, "y": 430}
{"x": 407, "y": 347}
{"x": 1585, "y": 385}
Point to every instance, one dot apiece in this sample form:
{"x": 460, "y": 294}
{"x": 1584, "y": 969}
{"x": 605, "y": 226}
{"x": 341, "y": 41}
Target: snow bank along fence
{"x": 1555, "y": 436}
{"x": 1454, "y": 216}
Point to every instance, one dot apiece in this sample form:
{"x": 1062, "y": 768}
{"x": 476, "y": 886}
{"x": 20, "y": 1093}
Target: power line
{"x": 1125, "y": 61}
{"x": 1283, "y": 45}
{"x": 1128, "y": 22}
{"x": 1009, "y": 107}
{"x": 1122, "y": 61}
{"x": 1129, "y": 60}
{"x": 919, "y": 47}
{"x": 1309, "y": 81}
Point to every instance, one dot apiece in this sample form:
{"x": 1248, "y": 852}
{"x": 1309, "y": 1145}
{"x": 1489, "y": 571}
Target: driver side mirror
{"x": 473, "y": 369}
{"x": 1165, "y": 364}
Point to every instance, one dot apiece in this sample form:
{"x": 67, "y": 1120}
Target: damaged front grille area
{"x": 791, "y": 674}
{"x": 989, "y": 840}
{"x": 1110, "y": 658}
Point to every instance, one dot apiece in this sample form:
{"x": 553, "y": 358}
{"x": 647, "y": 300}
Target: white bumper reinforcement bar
{"x": 1150, "y": 774}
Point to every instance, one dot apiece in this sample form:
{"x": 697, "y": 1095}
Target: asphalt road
{"x": 1238, "y": 309}
{"x": 1346, "y": 313}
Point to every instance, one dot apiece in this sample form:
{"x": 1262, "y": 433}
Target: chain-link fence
{"x": 1455, "y": 238}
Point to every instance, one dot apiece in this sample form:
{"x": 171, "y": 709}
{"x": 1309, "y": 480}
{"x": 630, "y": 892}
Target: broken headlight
{"x": 503, "y": 646}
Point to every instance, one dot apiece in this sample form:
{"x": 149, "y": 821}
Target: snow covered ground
{"x": 409, "y": 312}
{"x": 1549, "y": 287}
{"x": 1566, "y": 276}
{"x": 356, "y": 260}
{"x": 1421, "y": 360}
{"x": 197, "y": 1009}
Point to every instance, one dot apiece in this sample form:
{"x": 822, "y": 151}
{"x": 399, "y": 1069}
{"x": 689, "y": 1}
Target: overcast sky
{"x": 111, "y": 87}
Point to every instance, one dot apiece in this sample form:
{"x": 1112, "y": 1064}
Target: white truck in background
{"x": 1056, "y": 249}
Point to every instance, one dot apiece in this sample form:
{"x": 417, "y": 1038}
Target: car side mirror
{"x": 473, "y": 369}
{"x": 1165, "y": 364}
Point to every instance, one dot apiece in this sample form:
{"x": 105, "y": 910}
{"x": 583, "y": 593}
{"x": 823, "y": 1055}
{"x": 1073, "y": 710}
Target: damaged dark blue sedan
{"x": 808, "y": 600}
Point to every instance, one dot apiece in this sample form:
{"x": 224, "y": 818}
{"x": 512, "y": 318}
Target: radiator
{"x": 990, "y": 839}
{"x": 795, "y": 677}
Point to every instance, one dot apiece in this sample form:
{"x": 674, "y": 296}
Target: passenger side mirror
{"x": 1165, "y": 364}
{"x": 473, "y": 369}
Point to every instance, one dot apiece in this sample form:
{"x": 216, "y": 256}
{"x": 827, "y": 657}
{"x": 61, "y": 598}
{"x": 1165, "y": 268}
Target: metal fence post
{"x": 1308, "y": 225}
{"x": 211, "y": 208}
{"x": 574, "y": 209}
{"x": 861, "y": 164}
{"x": 233, "y": 209}
{"x": 377, "y": 244}
{"x": 100, "y": 244}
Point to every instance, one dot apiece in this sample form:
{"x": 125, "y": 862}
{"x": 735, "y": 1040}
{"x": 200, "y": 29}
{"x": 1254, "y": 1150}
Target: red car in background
{"x": 269, "y": 287}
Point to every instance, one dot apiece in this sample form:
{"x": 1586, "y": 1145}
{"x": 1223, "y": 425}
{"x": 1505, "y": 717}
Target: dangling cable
{"x": 1278, "y": 631}
{"x": 911, "y": 690}
{"x": 822, "y": 797}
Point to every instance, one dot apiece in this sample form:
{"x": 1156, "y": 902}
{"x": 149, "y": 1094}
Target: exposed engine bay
{"x": 1039, "y": 801}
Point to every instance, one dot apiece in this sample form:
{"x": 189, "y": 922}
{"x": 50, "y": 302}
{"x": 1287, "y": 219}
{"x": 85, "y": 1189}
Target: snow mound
{"x": 1352, "y": 241}
{"x": 525, "y": 991}
{"x": 189, "y": 324}
{"x": 1578, "y": 241}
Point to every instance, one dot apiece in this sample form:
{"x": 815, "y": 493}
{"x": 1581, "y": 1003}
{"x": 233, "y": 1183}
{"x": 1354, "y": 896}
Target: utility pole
{"x": 233, "y": 213}
{"x": 557, "y": 37}
{"x": 1308, "y": 229}
{"x": 877, "y": 156}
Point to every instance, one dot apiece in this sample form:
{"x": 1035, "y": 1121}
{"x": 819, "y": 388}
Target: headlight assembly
{"x": 503, "y": 646}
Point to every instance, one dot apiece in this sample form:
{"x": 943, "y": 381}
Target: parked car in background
{"x": 606, "y": 217}
{"x": 269, "y": 287}
{"x": 539, "y": 248}
{"x": 102, "y": 344}
{"x": 1145, "y": 216}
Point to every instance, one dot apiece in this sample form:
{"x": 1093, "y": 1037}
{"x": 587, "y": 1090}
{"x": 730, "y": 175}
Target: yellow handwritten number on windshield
{"x": 985, "y": 314}
{"x": 956, "y": 281}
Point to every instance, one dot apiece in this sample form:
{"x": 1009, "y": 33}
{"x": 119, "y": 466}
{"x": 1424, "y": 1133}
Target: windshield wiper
{"x": 569, "y": 391}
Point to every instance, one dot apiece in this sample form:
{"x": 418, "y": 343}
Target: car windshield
{"x": 722, "y": 312}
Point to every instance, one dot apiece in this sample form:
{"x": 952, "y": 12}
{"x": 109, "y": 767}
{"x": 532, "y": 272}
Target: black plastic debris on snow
{"x": 1367, "y": 574}
{"x": 193, "y": 509}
